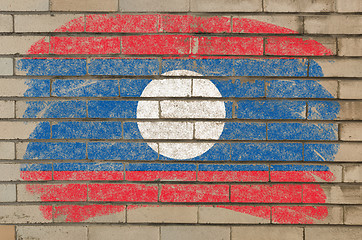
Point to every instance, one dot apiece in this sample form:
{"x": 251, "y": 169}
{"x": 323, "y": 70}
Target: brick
{"x": 161, "y": 214}
{"x": 234, "y": 214}
{"x": 10, "y": 172}
{"x": 6, "y": 66}
{"x": 267, "y": 233}
{"x": 338, "y": 68}
{"x": 351, "y": 132}
{"x": 352, "y": 215}
{"x": 348, "y": 152}
{"x": 194, "y": 232}
{"x": 52, "y": 232}
{"x": 84, "y": 5}
{"x": 51, "y": 109}
{"x": 333, "y": 233}
{"x": 350, "y": 89}
{"x": 350, "y": 47}
{"x": 48, "y": 23}
{"x": 25, "y": 130}
{"x": 84, "y": 88}
{"x": 7, "y": 232}
{"x": 337, "y": 24}
{"x": 267, "y": 24}
{"x": 226, "y": 6}
{"x": 154, "y": 5}
{"x": 336, "y": 194}
{"x": 123, "y": 232}
{"x": 165, "y": 130}
{"x": 7, "y": 109}
{"x": 350, "y": 110}
{"x": 52, "y": 192}
{"x": 24, "y": 87}
{"x": 352, "y": 6}
{"x": 299, "y": 6}
{"x": 85, "y": 45}
{"x": 80, "y": 130}
{"x": 7, "y": 150}
{"x": 19, "y": 5}
{"x": 17, "y": 44}
{"x": 352, "y": 173}
{"x": 23, "y": 214}
{"x": 7, "y": 192}
{"x": 307, "y": 215}
{"x": 6, "y": 23}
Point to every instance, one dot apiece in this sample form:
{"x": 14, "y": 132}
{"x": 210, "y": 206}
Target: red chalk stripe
{"x": 160, "y": 175}
{"x": 88, "y": 175}
{"x": 233, "y": 176}
{"x": 85, "y": 45}
{"x": 60, "y": 192}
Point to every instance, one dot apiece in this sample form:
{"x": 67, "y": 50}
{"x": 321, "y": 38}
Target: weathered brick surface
{"x": 351, "y": 132}
{"x": 84, "y": 5}
{"x": 349, "y": 47}
{"x": 123, "y": 232}
{"x": 17, "y": 45}
{"x": 333, "y": 24}
{"x": 350, "y": 89}
{"x": 349, "y": 6}
{"x": 7, "y": 150}
{"x": 9, "y": 172}
{"x": 352, "y": 215}
{"x": 7, "y": 109}
{"x": 6, "y": 23}
{"x": 337, "y": 194}
{"x": 47, "y": 23}
{"x": 340, "y": 67}
{"x": 194, "y": 233}
{"x": 267, "y": 233}
{"x": 19, "y": 5}
{"x": 352, "y": 173}
{"x": 332, "y": 233}
{"x": 226, "y": 6}
{"x": 7, "y": 192}
{"x": 22, "y": 214}
{"x": 52, "y": 232}
{"x": 6, "y": 66}
{"x": 154, "y": 5}
{"x": 7, "y": 232}
{"x": 299, "y": 6}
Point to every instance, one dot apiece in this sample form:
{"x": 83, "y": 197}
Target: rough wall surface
{"x": 180, "y": 119}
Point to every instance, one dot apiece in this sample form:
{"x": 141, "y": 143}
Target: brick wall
{"x": 180, "y": 119}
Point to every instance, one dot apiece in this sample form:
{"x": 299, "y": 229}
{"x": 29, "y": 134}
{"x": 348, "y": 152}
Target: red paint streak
{"x": 156, "y": 44}
{"x": 257, "y": 211}
{"x": 123, "y": 192}
{"x": 122, "y": 23}
{"x": 233, "y": 176}
{"x": 194, "y": 193}
{"x": 47, "y": 211}
{"x": 280, "y": 193}
{"x": 298, "y": 176}
{"x": 60, "y": 193}
{"x": 227, "y": 45}
{"x": 36, "y": 176}
{"x": 75, "y": 25}
{"x": 40, "y": 47}
{"x": 87, "y": 175}
{"x": 298, "y": 214}
{"x": 313, "y": 194}
{"x": 295, "y": 46}
{"x": 85, "y": 45}
{"x": 160, "y": 175}
{"x": 191, "y": 24}
{"x": 244, "y": 25}
{"x": 76, "y": 213}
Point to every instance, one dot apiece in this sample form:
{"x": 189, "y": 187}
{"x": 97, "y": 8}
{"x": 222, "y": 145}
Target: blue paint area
{"x": 266, "y": 151}
{"x": 56, "y": 151}
{"x": 160, "y": 167}
{"x": 132, "y": 87}
{"x": 85, "y": 88}
{"x": 320, "y": 152}
{"x": 233, "y": 167}
{"x": 36, "y": 167}
{"x": 271, "y": 67}
{"x": 127, "y": 67}
{"x": 299, "y": 168}
{"x": 270, "y": 109}
{"x": 131, "y": 131}
{"x": 55, "y": 109}
{"x": 244, "y": 131}
{"x": 296, "y": 89}
{"x": 323, "y": 110}
{"x": 206, "y": 67}
{"x": 52, "y": 67}
{"x": 302, "y": 131}
{"x": 240, "y": 88}
{"x": 228, "y": 109}
{"x": 88, "y": 166}
{"x": 37, "y": 88}
{"x": 218, "y": 152}
{"x": 120, "y": 151}
{"x": 315, "y": 70}
{"x": 42, "y": 131}
{"x": 112, "y": 109}
{"x": 87, "y": 130}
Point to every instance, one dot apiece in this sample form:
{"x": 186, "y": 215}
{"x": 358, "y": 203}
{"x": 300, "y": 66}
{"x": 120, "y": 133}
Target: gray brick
{"x": 17, "y": 44}
{"x": 350, "y": 89}
{"x": 352, "y": 6}
{"x": 333, "y": 233}
{"x": 194, "y": 233}
{"x": 353, "y": 173}
{"x": 21, "y": 5}
{"x": 154, "y": 5}
{"x": 341, "y": 194}
{"x": 22, "y": 214}
{"x": 336, "y": 24}
{"x": 84, "y": 5}
{"x": 299, "y": 5}
{"x": 267, "y": 233}
{"x": 6, "y": 23}
{"x": 350, "y": 47}
{"x": 52, "y": 232}
{"x": 351, "y": 131}
{"x": 226, "y": 6}
{"x": 7, "y": 150}
{"x": 7, "y": 192}
{"x": 7, "y": 109}
{"x": 6, "y": 66}
{"x": 341, "y": 67}
{"x": 352, "y": 215}
{"x": 123, "y": 232}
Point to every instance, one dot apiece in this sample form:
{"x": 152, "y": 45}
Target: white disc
{"x": 168, "y": 109}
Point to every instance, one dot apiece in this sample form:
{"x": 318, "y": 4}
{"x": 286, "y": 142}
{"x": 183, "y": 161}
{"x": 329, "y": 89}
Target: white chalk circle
{"x": 179, "y": 109}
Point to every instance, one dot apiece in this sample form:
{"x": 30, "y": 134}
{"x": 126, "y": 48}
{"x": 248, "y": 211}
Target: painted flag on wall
{"x": 149, "y": 113}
